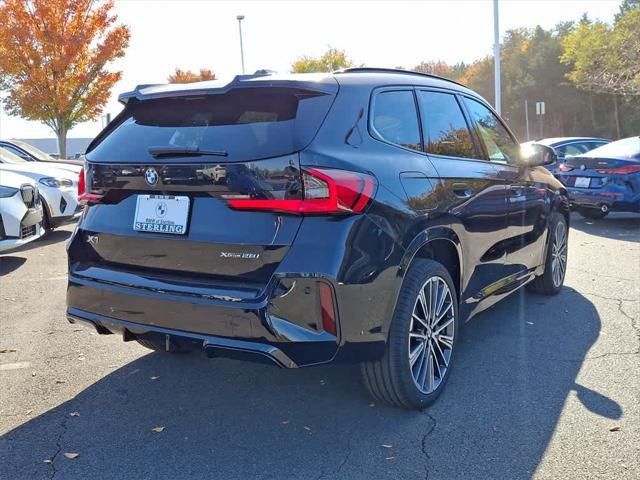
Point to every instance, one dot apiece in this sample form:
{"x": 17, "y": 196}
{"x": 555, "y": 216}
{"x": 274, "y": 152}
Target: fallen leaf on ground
{"x": 387, "y": 446}
{"x": 8, "y": 350}
{"x": 155, "y": 377}
{"x": 158, "y": 429}
{"x": 614, "y": 429}
{"x": 71, "y": 455}
{"x": 48, "y": 461}
{"x": 285, "y": 422}
{"x": 60, "y": 381}
{"x": 308, "y": 429}
{"x": 74, "y": 414}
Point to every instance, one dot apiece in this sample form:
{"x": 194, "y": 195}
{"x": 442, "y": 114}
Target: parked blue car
{"x": 605, "y": 179}
{"x": 569, "y": 146}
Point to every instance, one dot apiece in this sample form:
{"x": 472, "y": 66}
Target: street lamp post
{"x": 496, "y": 56}
{"x": 240, "y": 18}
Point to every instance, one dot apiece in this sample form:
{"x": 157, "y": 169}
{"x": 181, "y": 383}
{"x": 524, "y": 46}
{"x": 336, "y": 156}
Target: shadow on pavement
{"x": 10, "y": 264}
{"x": 617, "y": 226}
{"x": 516, "y": 365}
{"x": 49, "y": 239}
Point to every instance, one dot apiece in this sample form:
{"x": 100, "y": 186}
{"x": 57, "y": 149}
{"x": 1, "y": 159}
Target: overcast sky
{"x": 166, "y": 34}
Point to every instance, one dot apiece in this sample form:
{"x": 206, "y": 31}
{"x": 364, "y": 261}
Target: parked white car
{"x": 57, "y": 183}
{"x": 20, "y": 210}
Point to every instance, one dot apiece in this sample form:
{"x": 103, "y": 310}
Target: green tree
{"x": 605, "y": 59}
{"x": 333, "y": 59}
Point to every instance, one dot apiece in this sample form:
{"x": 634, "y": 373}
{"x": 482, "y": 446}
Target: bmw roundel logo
{"x": 151, "y": 176}
{"x": 161, "y": 209}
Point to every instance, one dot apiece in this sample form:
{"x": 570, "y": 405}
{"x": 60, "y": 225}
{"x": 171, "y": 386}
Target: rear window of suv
{"x": 246, "y": 123}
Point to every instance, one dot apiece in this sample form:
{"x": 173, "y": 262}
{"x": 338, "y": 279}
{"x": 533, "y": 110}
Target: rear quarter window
{"x": 395, "y": 119}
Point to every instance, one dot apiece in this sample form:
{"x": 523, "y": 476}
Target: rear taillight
{"x": 620, "y": 170}
{"x": 564, "y": 168}
{"x": 84, "y": 194}
{"x": 325, "y": 191}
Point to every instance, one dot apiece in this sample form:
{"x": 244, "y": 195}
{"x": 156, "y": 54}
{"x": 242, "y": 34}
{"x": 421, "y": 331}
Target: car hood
{"x": 13, "y": 179}
{"x": 39, "y": 171}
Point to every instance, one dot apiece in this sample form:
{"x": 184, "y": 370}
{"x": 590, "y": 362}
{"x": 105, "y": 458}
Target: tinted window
{"x": 13, "y": 150}
{"x": 571, "y": 149}
{"x": 247, "y": 123}
{"x": 499, "y": 144}
{"x": 395, "y": 118}
{"x": 444, "y": 127}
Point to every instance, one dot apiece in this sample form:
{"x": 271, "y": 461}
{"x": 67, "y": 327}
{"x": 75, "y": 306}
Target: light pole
{"x": 496, "y": 56}
{"x": 240, "y": 18}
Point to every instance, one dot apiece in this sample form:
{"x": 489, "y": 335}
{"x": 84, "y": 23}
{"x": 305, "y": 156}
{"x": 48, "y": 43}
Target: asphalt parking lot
{"x": 544, "y": 387}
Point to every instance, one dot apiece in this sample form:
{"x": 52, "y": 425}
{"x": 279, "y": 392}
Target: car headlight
{"x": 6, "y": 192}
{"x": 56, "y": 182}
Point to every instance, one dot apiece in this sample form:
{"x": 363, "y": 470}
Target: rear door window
{"x": 500, "y": 145}
{"x": 246, "y": 123}
{"x": 395, "y": 119}
{"x": 444, "y": 127}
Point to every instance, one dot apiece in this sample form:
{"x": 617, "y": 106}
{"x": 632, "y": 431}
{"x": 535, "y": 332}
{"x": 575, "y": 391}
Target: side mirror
{"x": 535, "y": 155}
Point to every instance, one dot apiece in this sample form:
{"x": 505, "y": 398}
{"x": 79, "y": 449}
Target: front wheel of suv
{"x": 422, "y": 336}
{"x": 555, "y": 268}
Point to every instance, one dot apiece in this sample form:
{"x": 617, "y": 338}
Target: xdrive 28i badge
{"x": 151, "y": 176}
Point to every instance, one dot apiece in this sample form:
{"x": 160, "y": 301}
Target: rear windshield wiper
{"x": 184, "y": 152}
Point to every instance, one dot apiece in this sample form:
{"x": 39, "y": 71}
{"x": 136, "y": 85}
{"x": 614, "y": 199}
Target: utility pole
{"x": 496, "y": 56}
{"x": 526, "y": 117}
{"x": 240, "y": 18}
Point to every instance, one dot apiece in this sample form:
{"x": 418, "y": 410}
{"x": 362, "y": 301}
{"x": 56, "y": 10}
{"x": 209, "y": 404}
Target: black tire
{"x": 592, "y": 213}
{"x": 391, "y": 379}
{"x": 46, "y": 222}
{"x": 545, "y": 284}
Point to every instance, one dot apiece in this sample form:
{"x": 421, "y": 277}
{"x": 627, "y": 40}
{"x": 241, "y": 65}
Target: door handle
{"x": 461, "y": 190}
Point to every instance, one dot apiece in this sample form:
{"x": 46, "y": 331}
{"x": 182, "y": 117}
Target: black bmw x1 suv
{"x": 359, "y": 216}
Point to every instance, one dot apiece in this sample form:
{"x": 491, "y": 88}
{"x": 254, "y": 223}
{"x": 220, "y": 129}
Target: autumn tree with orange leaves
{"x": 187, "y": 76}
{"x": 53, "y": 58}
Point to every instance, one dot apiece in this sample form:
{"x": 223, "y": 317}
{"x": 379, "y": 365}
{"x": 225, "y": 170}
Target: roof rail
{"x": 394, "y": 70}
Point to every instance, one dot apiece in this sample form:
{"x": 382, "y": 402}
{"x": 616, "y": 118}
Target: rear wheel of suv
{"x": 555, "y": 266}
{"x": 417, "y": 361}
{"x": 592, "y": 213}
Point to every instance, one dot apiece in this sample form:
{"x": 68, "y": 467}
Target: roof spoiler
{"x": 162, "y": 89}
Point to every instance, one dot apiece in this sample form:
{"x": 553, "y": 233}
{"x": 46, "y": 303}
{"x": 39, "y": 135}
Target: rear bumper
{"x": 278, "y": 323}
{"x": 615, "y": 199}
{"x": 210, "y": 345}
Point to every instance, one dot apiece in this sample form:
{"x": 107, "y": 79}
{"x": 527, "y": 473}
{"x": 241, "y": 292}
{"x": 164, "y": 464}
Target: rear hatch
{"x": 163, "y": 174}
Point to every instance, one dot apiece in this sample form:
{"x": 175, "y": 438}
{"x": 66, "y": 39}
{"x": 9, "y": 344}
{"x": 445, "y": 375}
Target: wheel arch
{"x": 441, "y": 244}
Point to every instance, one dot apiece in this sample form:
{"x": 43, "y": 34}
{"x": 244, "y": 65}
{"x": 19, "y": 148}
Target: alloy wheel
{"x": 559, "y": 254}
{"x": 431, "y": 334}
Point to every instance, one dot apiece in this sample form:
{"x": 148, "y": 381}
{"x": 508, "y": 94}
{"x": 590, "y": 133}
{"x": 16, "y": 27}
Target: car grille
{"x": 30, "y": 195}
{"x": 26, "y": 232}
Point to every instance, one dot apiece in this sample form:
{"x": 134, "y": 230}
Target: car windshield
{"x": 627, "y": 148}
{"x": 7, "y": 157}
{"x": 33, "y": 151}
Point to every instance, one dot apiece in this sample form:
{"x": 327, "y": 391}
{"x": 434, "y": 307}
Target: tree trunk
{"x": 62, "y": 142}
{"x": 593, "y": 115}
{"x": 616, "y": 115}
